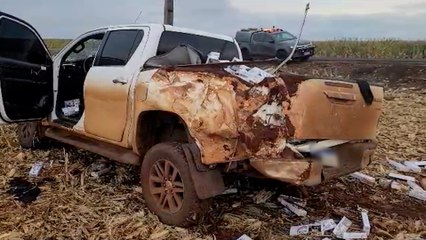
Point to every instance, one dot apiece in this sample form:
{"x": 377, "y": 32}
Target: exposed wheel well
{"x": 159, "y": 126}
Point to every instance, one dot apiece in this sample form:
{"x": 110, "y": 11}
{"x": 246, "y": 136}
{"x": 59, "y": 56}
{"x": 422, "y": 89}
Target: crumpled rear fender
{"x": 228, "y": 118}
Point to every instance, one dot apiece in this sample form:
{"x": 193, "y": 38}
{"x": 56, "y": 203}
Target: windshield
{"x": 283, "y": 36}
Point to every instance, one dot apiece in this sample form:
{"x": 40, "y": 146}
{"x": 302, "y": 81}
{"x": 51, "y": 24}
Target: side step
{"x": 116, "y": 153}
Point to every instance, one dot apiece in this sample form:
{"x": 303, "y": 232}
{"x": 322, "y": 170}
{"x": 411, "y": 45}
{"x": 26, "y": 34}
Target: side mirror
{"x": 272, "y": 41}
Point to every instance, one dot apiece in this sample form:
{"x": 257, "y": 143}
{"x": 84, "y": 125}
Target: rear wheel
{"x": 30, "y": 135}
{"x": 281, "y": 54}
{"x": 168, "y": 188}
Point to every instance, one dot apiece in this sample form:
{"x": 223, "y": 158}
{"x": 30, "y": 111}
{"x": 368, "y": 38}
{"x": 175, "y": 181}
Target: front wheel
{"x": 168, "y": 188}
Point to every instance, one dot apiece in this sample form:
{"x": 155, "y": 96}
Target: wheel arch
{"x": 156, "y": 121}
{"x": 156, "y": 126}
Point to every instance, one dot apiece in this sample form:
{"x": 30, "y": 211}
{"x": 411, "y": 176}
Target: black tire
{"x": 304, "y": 59}
{"x": 175, "y": 200}
{"x": 282, "y": 54}
{"x": 246, "y": 54}
{"x": 30, "y": 135}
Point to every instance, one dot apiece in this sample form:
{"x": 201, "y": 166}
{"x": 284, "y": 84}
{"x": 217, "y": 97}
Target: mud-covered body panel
{"x": 231, "y": 119}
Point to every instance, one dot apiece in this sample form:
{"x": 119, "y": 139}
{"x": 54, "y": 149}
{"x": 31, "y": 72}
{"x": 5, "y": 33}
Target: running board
{"x": 116, "y": 153}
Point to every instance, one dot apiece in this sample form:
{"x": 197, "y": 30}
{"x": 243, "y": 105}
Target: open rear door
{"x": 26, "y": 79}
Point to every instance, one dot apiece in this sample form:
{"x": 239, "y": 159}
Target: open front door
{"x": 26, "y": 79}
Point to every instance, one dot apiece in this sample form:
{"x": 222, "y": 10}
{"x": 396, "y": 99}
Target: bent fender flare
{"x": 207, "y": 183}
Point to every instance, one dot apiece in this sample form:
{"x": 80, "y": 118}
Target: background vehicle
{"x": 270, "y": 43}
{"x": 138, "y": 95}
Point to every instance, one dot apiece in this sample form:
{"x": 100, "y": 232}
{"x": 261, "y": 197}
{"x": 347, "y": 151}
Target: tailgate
{"x": 326, "y": 109}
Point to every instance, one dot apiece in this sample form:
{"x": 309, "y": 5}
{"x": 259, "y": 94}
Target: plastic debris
{"x": 413, "y": 167}
{"x": 355, "y": 235}
{"x": 327, "y": 225}
{"x": 299, "y": 230}
{"x": 36, "y": 169}
{"x": 69, "y": 111}
{"x": 244, "y": 237}
{"x": 229, "y": 191}
{"x": 318, "y": 228}
{"x": 213, "y": 57}
{"x": 364, "y": 178}
{"x": 342, "y": 227}
{"x": 328, "y": 158}
{"x": 399, "y": 166}
{"x": 71, "y": 107}
{"x": 251, "y": 75}
{"x": 402, "y": 177}
{"x": 72, "y": 103}
{"x": 421, "y": 195}
{"x": 298, "y": 201}
{"x": 415, "y": 186}
{"x": 366, "y": 227}
{"x": 418, "y": 163}
{"x": 292, "y": 207}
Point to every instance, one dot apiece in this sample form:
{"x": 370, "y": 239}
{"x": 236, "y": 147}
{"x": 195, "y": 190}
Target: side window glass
{"x": 268, "y": 38}
{"x": 258, "y": 37}
{"x": 119, "y": 47}
{"x": 229, "y": 52}
{"x": 18, "y": 42}
{"x": 84, "y": 49}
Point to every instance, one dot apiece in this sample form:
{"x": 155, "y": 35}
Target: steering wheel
{"x": 88, "y": 62}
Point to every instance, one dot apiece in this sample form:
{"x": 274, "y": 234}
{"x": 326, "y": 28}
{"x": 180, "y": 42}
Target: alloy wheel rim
{"x": 166, "y": 185}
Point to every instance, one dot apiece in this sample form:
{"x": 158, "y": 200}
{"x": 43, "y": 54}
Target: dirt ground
{"x": 74, "y": 205}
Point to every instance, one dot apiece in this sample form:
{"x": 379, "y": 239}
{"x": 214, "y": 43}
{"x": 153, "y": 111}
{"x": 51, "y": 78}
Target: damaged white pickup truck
{"x": 140, "y": 95}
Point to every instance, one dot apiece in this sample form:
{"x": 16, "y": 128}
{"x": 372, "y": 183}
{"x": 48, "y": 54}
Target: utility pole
{"x": 168, "y": 12}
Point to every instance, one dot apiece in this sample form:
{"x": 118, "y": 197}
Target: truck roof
{"x": 163, "y": 27}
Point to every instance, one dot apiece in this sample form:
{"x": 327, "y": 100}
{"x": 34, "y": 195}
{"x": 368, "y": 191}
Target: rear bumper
{"x": 310, "y": 171}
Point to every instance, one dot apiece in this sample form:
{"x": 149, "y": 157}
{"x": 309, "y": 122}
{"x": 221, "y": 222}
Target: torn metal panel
{"x": 231, "y": 119}
{"x": 297, "y": 172}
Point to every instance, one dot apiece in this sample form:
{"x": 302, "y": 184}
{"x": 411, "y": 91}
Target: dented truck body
{"x": 290, "y": 128}
{"x": 154, "y": 104}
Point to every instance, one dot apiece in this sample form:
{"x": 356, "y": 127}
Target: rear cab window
{"x": 170, "y": 40}
{"x": 119, "y": 47}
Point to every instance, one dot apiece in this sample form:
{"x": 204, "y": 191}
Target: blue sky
{"x": 327, "y": 19}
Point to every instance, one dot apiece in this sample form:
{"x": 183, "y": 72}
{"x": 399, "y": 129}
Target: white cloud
{"x": 328, "y": 19}
{"x": 324, "y": 7}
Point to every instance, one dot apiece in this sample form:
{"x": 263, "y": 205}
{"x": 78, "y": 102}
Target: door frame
{"x": 4, "y": 119}
{"x": 57, "y": 60}
{"x": 135, "y": 63}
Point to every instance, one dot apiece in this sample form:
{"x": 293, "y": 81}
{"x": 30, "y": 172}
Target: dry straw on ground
{"x": 74, "y": 205}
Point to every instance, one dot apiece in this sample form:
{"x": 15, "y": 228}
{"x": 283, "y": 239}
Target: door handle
{"x": 119, "y": 81}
